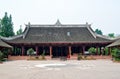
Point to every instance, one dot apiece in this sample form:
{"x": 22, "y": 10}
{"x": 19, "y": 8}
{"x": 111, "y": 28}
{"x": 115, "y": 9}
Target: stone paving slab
{"x": 56, "y": 69}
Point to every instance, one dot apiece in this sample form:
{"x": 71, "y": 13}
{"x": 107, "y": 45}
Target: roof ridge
{"x": 83, "y": 25}
{"x": 26, "y": 31}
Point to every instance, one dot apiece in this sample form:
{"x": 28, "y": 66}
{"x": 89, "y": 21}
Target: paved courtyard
{"x": 56, "y": 69}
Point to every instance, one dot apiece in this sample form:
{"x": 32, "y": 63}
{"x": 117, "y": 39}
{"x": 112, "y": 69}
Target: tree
{"x": 19, "y": 31}
{"x": 98, "y": 31}
{"x": 7, "y": 26}
{"x": 116, "y": 54}
{"x": 111, "y": 35}
{"x": 0, "y": 27}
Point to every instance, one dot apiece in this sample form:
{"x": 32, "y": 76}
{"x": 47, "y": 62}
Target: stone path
{"x": 55, "y": 69}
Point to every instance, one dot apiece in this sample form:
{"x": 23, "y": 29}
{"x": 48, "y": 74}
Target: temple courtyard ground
{"x": 57, "y": 69}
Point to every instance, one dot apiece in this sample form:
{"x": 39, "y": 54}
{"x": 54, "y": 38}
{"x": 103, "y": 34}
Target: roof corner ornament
{"x": 24, "y": 35}
{"x": 58, "y": 23}
{"x": 86, "y": 23}
{"x": 29, "y": 24}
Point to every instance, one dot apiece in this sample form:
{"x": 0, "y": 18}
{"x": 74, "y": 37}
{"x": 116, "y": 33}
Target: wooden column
{"x": 14, "y": 50}
{"x": 36, "y": 50}
{"x": 101, "y": 50}
{"x": 69, "y": 51}
{"x": 50, "y": 51}
{"x": 23, "y": 50}
{"x": 83, "y": 50}
{"x": 109, "y": 51}
{"x": 97, "y": 50}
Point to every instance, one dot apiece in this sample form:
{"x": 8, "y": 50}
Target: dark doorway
{"x": 76, "y": 49}
{"x": 59, "y": 52}
{"x": 44, "y": 49}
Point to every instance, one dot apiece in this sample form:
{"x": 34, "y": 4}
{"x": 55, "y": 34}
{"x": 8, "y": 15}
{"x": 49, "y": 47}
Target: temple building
{"x": 57, "y": 39}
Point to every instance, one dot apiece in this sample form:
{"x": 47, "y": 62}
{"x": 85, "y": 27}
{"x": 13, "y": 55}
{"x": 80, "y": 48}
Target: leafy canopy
{"x": 19, "y": 31}
{"x": 112, "y": 35}
{"x": 6, "y": 26}
{"x": 98, "y": 31}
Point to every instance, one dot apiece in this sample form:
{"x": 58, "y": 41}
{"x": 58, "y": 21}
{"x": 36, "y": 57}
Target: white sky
{"x": 102, "y": 14}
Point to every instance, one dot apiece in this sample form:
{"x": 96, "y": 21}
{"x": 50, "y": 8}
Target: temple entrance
{"x": 59, "y": 52}
{"x": 75, "y": 50}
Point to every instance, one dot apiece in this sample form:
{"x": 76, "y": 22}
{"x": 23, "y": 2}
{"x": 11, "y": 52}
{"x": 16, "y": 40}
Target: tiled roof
{"x": 3, "y": 44}
{"x": 116, "y": 43}
{"x": 70, "y": 33}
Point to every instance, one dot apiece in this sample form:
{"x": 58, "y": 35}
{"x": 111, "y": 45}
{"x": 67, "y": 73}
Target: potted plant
{"x": 92, "y": 50}
{"x": 43, "y": 55}
{"x": 30, "y": 52}
{"x": 79, "y": 56}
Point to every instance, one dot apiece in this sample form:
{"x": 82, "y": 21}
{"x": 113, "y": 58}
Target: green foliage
{"x": 92, "y": 50}
{"x": 98, "y": 31}
{"x": 116, "y": 54}
{"x": 1, "y": 56}
{"x": 19, "y": 31}
{"x": 0, "y": 27}
{"x": 112, "y": 35}
{"x": 106, "y": 51}
{"x": 5, "y": 52}
{"x": 98, "y": 51}
{"x": 7, "y": 26}
{"x": 30, "y": 51}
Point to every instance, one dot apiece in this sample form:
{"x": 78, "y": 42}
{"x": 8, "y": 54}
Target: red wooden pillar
{"x": 69, "y": 51}
{"x": 36, "y": 50}
{"x": 23, "y": 50}
{"x": 109, "y": 51}
{"x": 83, "y": 50}
{"x": 50, "y": 51}
{"x": 97, "y": 50}
{"x": 100, "y": 51}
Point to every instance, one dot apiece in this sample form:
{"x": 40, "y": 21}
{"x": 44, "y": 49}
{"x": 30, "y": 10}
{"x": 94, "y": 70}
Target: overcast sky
{"x": 102, "y": 14}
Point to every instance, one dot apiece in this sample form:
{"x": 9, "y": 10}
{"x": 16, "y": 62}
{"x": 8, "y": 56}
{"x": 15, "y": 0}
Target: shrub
{"x": 116, "y": 54}
{"x": 43, "y": 55}
{"x": 106, "y": 51}
{"x": 92, "y": 50}
{"x": 30, "y": 51}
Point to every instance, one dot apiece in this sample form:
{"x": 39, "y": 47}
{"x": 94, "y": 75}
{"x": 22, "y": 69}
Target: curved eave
{"x": 50, "y": 43}
{"x": 3, "y": 44}
{"x": 11, "y": 38}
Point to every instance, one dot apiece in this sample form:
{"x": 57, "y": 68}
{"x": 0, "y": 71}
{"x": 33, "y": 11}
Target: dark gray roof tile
{"x": 56, "y": 34}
